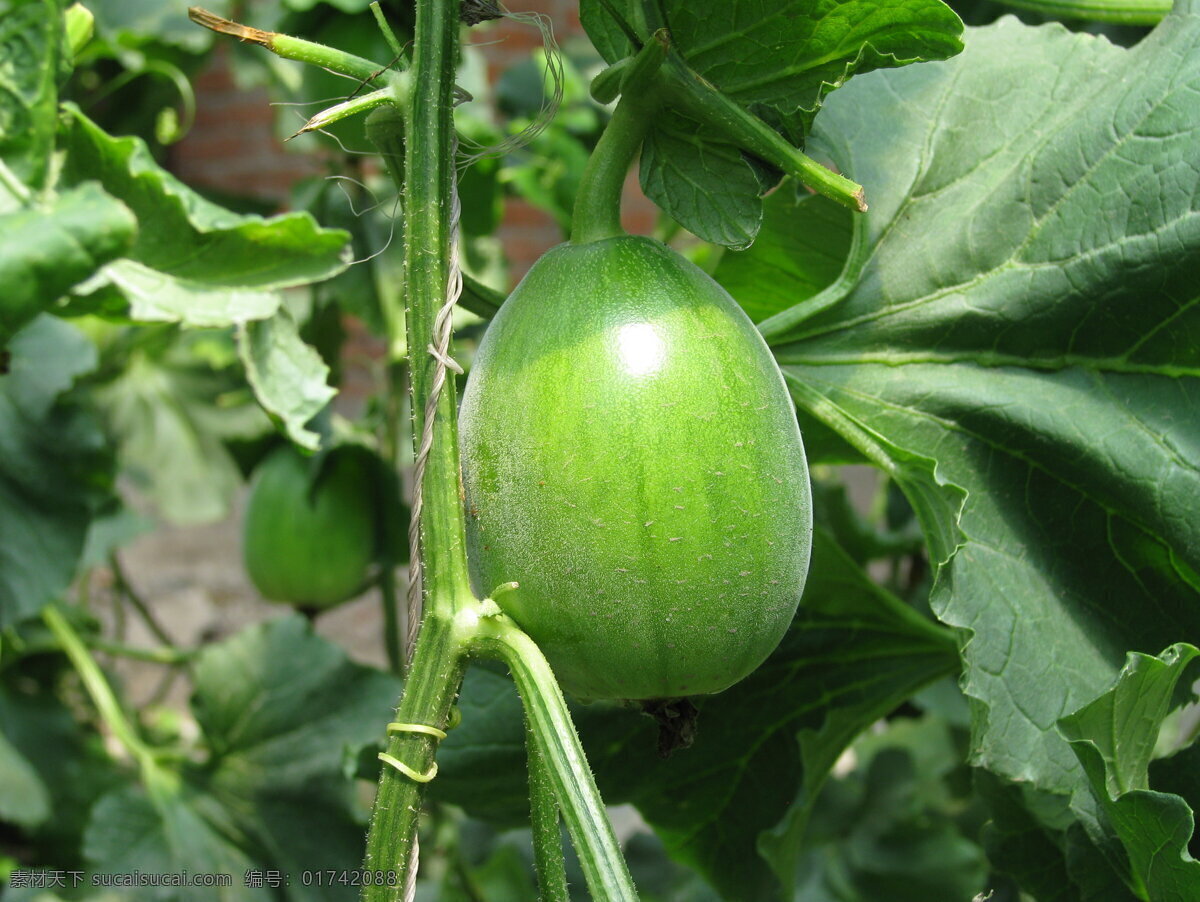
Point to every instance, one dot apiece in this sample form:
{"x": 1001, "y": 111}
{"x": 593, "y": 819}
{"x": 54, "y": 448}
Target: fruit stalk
{"x": 597, "y": 213}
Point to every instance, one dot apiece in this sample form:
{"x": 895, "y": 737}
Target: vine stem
{"x": 557, "y": 743}
{"x": 455, "y": 624}
{"x": 143, "y": 609}
{"x": 548, "y": 861}
{"x": 1120, "y": 12}
{"x": 103, "y": 697}
{"x": 423, "y": 109}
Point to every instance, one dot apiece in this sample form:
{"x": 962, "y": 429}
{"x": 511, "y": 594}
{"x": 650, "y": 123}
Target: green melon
{"x": 310, "y": 541}
{"x": 631, "y": 458}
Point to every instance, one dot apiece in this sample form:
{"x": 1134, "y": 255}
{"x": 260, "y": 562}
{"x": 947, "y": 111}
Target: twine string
{"x": 439, "y": 349}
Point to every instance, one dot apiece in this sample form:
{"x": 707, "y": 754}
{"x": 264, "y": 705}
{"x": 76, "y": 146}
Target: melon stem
{"x": 597, "y": 212}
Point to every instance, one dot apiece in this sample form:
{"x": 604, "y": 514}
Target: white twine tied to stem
{"x": 439, "y": 350}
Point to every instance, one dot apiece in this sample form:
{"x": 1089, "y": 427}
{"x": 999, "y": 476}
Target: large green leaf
{"x": 1027, "y": 320}
{"x": 55, "y": 470}
{"x": 777, "y": 59}
{"x": 46, "y": 251}
{"x": 194, "y": 262}
{"x": 852, "y": 655}
{"x": 283, "y": 712}
{"x": 31, "y": 62}
{"x": 280, "y": 701}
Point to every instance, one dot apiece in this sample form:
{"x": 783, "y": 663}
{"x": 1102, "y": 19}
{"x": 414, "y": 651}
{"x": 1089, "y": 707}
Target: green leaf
{"x": 46, "y": 251}
{"x": 789, "y": 55}
{"x": 776, "y": 60}
{"x": 62, "y": 767}
{"x": 194, "y": 262}
{"x": 288, "y": 376}
{"x": 1114, "y": 738}
{"x": 310, "y": 703}
{"x": 895, "y": 825}
{"x": 166, "y": 422}
{"x": 1179, "y": 774}
{"x": 800, "y": 250}
{"x": 135, "y": 832}
{"x": 1020, "y": 843}
{"x": 853, "y": 654}
{"x": 1027, "y": 319}
{"x": 155, "y": 296}
{"x": 24, "y": 798}
{"x": 55, "y": 469}
{"x": 283, "y": 711}
{"x": 701, "y": 180}
{"x": 31, "y": 62}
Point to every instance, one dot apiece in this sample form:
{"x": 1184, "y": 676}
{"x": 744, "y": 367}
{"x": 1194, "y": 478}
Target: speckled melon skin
{"x": 631, "y": 457}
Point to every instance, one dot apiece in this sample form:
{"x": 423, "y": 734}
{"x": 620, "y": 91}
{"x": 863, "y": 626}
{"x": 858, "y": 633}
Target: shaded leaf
{"x": 166, "y": 833}
{"x": 1020, "y": 843}
{"x": 892, "y": 825}
{"x": 64, "y": 763}
{"x": 283, "y": 711}
{"x": 24, "y": 798}
{"x": 287, "y": 704}
{"x": 46, "y": 251}
{"x": 55, "y": 469}
{"x": 800, "y": 249}
{"x": 702, "y": 181}
{"x": 162, "y": 419}
{"x": 1179, "y": 774}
